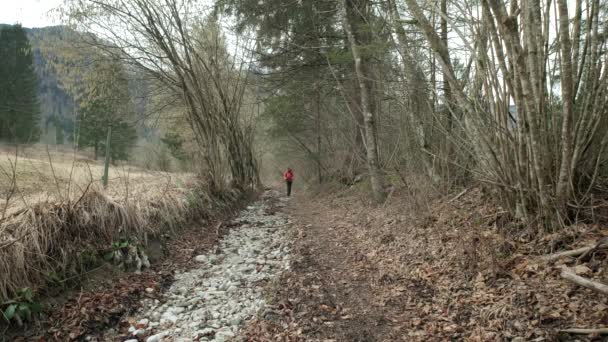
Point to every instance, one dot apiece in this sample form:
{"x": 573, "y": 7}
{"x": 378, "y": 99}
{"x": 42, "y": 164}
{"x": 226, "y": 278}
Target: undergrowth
{"x": 47, "y": 243}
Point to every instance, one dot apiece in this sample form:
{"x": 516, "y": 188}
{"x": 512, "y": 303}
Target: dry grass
{"x": 43, "y": 175}
{"x": 55, "y": 210}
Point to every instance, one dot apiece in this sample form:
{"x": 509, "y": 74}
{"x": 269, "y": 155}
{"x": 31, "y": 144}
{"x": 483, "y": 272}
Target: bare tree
{"x": 175, "y": 42}
{"x": 352, "y": 15}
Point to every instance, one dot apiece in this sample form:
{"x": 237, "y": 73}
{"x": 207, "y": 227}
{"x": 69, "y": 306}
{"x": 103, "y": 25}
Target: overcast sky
{"x": 29, "y": 13}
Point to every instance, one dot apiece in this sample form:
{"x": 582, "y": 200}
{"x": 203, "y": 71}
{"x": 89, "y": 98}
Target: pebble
{"x": 156, "y": 338}
{"x": 142, "y": 323}
{"x": 200, "y": 258}
{"x": 139, "y": 332}
{"x": 216, "y": 298}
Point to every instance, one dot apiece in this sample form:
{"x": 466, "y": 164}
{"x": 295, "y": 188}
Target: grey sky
{"x": 29, "y": 13}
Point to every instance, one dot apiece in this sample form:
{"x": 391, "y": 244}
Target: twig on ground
{"x": 570, "y": 253}
{"x": 583, "y": 251}
{"x": 14, "y": 187}
{"x": 590, "y": 284}
{"x": 602, "y": 243}
{"x": 459, "y": 195}
{"x": 86, "y": 190}
{"x": 390, "y": 195}
{"x": 71, "y": 172}
{"x": 13, "y": 241}
{"x": 582, "y": 331}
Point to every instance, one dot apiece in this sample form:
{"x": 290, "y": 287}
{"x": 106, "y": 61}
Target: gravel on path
{"x": 213, "y": 301}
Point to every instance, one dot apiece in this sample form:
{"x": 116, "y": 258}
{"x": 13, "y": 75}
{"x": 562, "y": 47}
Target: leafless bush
{"x": 543, "y": 153}
{"x": 183, "y": 48}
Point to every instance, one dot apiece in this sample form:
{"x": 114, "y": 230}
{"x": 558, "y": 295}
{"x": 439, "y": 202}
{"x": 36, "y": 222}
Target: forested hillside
{"x": 56, "y": 119}
{"x": 56, "y": 106}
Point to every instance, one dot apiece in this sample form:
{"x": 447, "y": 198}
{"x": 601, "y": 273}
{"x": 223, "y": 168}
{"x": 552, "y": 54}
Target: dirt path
{"x": 355, "y": 278}
{"x": 332, "y": 290}
{"x": 343, "y": 278}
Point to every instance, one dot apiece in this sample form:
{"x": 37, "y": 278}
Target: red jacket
{"x": 288, "y": 175}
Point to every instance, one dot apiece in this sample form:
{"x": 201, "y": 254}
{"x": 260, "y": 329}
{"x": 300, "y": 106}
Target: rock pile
{"x": 214, "y": 300}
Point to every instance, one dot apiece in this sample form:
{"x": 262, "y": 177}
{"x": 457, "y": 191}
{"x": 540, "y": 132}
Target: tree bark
{"x": 563, "y": 184}
{"x": 318, "y": 128}
{"x": 447, "y": 90}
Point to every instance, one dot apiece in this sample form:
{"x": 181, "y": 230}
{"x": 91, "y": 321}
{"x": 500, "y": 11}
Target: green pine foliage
{"x": 19, "y": 109}
{"x": 175, "y": 144}
{"x": 107, "y": 103}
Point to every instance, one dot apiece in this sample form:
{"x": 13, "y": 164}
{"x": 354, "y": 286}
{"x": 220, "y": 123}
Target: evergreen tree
{"x": 175, "y": 144}
{"x": 106, "y": 103}
{"x": 19, "y": 109}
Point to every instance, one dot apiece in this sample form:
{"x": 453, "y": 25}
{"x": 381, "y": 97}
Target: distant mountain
{"x": 56, "y": 106}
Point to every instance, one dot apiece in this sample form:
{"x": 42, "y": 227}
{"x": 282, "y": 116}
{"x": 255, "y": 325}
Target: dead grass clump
{"x": 48, "y": 239}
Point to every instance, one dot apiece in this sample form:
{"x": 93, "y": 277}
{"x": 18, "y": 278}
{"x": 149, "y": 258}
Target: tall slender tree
{"x": 19, "y": 109}
{"x": 355, "y": 21}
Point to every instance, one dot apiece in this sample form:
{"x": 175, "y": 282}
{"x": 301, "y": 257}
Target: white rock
{"x": 194, "y": 324}
{"x": 139, "y": 332}
{"x": 156, "y": 338}
{"x": 200, "y": 258}
{"x": 142, "y": 323}
{"x": 223, "y": 335}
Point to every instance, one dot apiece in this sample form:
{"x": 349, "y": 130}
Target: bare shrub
{"x": 542, "y": 155}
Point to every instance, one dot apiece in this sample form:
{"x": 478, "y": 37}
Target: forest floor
{"x": 448, "y": 269}
{"x": 338, "y": 269}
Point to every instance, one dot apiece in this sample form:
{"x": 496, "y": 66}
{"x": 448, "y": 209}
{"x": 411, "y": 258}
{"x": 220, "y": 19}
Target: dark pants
{"x": 288, "y": 188}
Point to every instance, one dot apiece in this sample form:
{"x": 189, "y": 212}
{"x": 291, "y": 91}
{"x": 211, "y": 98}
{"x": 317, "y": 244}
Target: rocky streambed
{"x": 213, "y": 301}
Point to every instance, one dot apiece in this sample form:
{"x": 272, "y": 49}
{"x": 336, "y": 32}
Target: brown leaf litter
{"x": 453, "y": 271}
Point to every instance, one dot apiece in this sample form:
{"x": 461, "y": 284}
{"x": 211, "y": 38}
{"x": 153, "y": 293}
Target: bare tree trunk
{"x": 447, "y": 90}
{"x": 361, "y": 70}
{"x": 416, "y": 92}
{"x": 318, "y": 128}
{"x": 564, "y": 180}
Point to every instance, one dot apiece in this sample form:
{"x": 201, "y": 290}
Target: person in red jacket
{"x": 288, "y": 176}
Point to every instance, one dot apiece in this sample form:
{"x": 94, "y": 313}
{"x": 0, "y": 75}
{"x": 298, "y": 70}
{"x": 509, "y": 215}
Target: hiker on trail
{"x": 288, "y": 176}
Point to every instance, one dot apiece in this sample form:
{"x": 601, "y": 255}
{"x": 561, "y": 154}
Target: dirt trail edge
{"x": 212, "y": 301}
